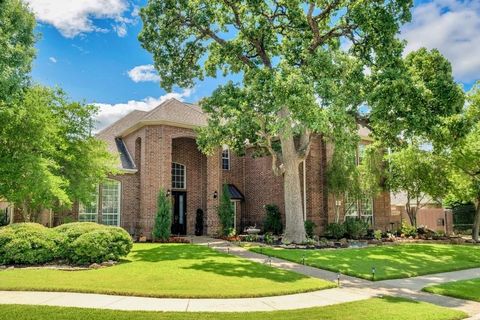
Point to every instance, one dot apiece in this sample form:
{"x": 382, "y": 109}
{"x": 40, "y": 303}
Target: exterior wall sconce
{"x": 168, "y": 193}
{"x": 215, "y": 194}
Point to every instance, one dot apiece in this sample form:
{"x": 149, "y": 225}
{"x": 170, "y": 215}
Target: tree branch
{"x": 305, "y": 144}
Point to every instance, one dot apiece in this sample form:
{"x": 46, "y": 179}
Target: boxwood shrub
{"x": 29, "y": 243}
{"x": 88, "y": 242}
{"x": 77, "y": 243}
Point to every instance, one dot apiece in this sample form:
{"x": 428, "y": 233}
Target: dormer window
{"x": 225, "y": 159}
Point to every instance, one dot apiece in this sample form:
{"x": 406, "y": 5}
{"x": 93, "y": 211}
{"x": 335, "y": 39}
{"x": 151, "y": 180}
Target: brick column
{"x": 213, "y": 184}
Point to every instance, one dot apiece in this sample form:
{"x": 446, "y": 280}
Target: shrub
{"x": 273, "y": 220}
{"x": 407, "y": 230}
{"x": 28, "y": 243}
{"x": 268, "y": 238}
{"x": 107, "y": 243}
{"x": 310, "y": 228}
{"x": 377, "y": 234}
{"x": 226, "y": 213}
{"x": 163, "y": 220}
{"x": 356, "y": 228}
{"x": 335, "y": 230}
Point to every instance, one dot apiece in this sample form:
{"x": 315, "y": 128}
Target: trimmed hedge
{"x": 77, "y": 243}
{"x": 88, "y": 242}
{"x": 29, "y": 243}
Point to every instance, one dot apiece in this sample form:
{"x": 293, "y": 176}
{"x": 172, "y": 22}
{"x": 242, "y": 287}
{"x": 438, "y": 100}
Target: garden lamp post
{"x": 374, "y": 270}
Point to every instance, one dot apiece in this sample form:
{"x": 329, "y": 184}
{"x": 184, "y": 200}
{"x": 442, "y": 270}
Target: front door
{"x": 179, "y": 205}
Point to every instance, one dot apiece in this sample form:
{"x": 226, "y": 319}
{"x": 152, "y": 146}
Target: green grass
{"x": 465, "y": 289}
{"x": 372, "y": 309}
{"x": 168, "y": 270}
{"x": 390, "y": 261}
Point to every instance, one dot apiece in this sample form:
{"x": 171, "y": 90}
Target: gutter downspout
{"x": 304, "y": 190}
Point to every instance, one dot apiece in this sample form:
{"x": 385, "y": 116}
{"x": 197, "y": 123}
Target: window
{"x": 111, "y": 202}
{"x": 366, "y": 210}
{"x": 178, "y": 176}
{"x": 361, "y": 152}
{"x": 351, "y": 207}
{"x": 359, "y": 208}
{"x": 226, "y": 159}
{"x": 89, "y": 212}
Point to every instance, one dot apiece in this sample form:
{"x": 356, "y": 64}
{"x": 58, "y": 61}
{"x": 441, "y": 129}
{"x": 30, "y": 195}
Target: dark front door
{"x": 179, "y": 223}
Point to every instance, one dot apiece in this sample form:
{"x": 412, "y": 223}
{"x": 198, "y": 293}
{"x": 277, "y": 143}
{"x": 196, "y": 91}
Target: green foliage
{"x": 408, "y": 230}
{"x": 163, "y": 220}
{"x": 48, "y": 157}
{"x": 290, "y": 61}
{"x": 226, "y": 213}
{"x": 310, "y": 228}
{"x": 335, "y": 230}
{"x": 17, "y": 41}
{"x": 356, "y": 228}
{"x": 463, "y": 213}
{"x": 268, "y": 238}
{"x": 273, "y": 219}
{"x": 87, "y": 242}
{"x": 28, "y": 243}
{"x": 377, "y": 234}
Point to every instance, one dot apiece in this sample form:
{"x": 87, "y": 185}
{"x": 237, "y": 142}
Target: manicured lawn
{"x": 372, "y": 309}
{"x": 465, "y": 289}
{"x": 168, "y": 270}
{"x": 390, "y": 261}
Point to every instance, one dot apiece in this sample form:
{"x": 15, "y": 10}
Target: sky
{"x": 90, "y": 49}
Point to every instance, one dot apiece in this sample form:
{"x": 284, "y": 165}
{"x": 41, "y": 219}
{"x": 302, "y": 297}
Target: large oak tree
{"x": 300, "y": 67}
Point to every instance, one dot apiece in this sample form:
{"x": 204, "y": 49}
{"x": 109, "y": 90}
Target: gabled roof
{"x": 171, "y": 112}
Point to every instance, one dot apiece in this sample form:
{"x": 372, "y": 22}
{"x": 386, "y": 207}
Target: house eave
{"x": 144, "y": 123}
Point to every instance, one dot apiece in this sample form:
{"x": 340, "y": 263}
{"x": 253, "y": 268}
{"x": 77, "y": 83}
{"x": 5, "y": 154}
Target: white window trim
{"x": 97, "y": 198}
{"x": 119, "y": 187}
{"x": 228, "y": 158}
{"x": 184, "y": 176}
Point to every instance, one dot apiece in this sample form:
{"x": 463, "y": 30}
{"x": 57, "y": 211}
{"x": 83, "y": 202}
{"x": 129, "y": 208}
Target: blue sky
{"x": 90, "y": 49}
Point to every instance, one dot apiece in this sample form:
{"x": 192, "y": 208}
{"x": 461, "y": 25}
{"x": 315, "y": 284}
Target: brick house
{"x": 157, "y": 149}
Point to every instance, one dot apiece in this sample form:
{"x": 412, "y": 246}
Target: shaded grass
{"x": 464, "y": 289}
{"x": 371, "y": 309}
{"x": 168, "y": 270}
{"x": 390, "y": 261}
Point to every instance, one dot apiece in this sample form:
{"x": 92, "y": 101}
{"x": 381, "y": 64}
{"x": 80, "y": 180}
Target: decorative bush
{"x": 107, "y": 243}
{"x": 377, "y": 234}
{"x": 273, "y": 220}
{"x": 356, "y": 228}
{"x": 407, "y": 230}
{"x": 163, "y": 220}
{"x": 268, "y": 238}
{"x": 226, "y": 213}
{"x": 335, "y": 230}
{"x": 29, "y": 243}
{"x": 310, "y": 228}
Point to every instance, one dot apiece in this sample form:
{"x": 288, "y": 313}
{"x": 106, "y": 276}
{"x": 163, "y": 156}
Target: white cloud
{"x": 74, "y": 17}
{"x": 144, "y": 73}
{"x": 52, "y": 59}
{"x": 451, "y": 26}
{"x": 109, "y": 113}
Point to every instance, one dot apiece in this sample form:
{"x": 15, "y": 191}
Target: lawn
{"x": 390, "y": 261}
{"x": 465, "y": 289}
{"x": 372, "y": 309}
{"x": 168, "y": 270}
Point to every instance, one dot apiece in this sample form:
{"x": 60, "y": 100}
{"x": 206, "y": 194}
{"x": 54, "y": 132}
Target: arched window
{"x": 111, "y": 199}
{"x": 178, "y": 176}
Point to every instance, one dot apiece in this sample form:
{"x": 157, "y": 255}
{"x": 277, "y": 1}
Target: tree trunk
{"x": 476, "y": 222}
{"x": 411, "y": 213}
{"x": 295, "y": 226}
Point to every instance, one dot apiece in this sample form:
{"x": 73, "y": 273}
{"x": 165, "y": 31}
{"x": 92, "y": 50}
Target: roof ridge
{"x": 120, "y": 119}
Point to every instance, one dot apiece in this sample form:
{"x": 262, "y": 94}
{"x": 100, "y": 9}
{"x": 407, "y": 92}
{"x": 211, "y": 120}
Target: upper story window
{"x": 178, "y": 176}
{"x": 226, "y": 159}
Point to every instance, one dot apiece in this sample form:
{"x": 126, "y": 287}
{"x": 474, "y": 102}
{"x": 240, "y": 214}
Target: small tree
{"x": 419, "y": 175}
{"x": 163, "y": 220}
{"x": 226, "y": 212}
{"x": 273, "y": 220}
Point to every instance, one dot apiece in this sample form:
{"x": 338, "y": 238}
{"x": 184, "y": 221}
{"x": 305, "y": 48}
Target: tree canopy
{"x": 48, "y": 158}
{"x": 17, "y": 38}
{"x": 301, "y": 66}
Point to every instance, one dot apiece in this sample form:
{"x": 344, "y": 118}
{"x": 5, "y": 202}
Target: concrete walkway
{"x": 352, "y": 289}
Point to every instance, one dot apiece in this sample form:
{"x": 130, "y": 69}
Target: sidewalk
{"x": 352, "y": 289}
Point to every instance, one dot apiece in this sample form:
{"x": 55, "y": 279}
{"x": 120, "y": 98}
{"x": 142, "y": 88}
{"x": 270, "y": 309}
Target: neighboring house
{"x": 431, "y": 214}
{"x": 157, "y": 149}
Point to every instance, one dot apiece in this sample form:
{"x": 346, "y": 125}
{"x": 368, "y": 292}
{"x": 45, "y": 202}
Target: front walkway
{"x": 352, "y": 289}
